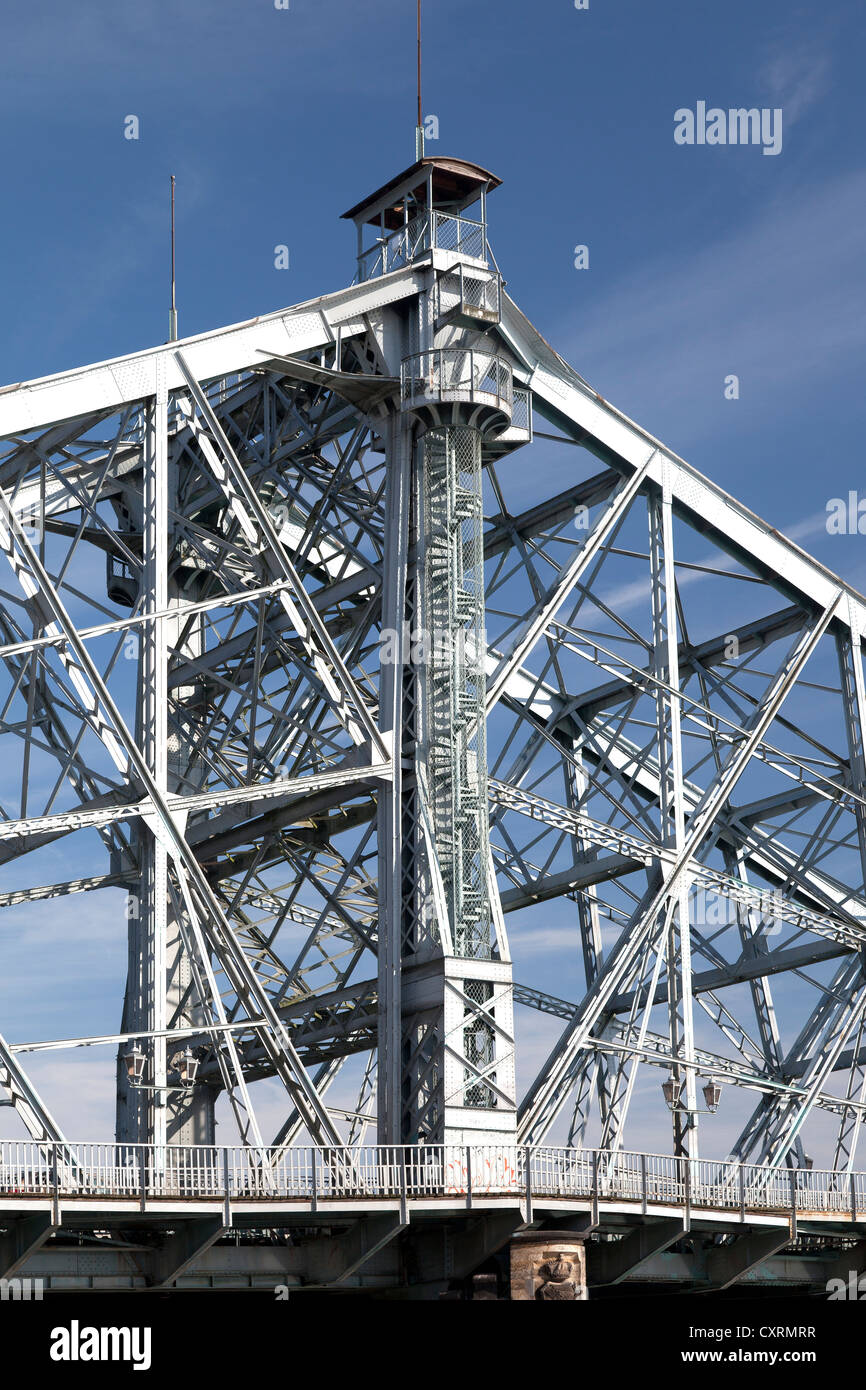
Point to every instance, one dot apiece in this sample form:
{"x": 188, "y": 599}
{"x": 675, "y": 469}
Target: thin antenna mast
{"x": 172, "y": 313}
{"x": 419, "y": 128}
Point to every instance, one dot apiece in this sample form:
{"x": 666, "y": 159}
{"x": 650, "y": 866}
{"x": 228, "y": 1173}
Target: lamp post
{"x": 672, "y": 1091}
{"x": 185, "y": 1064}
{"x": 135, "y": 1060}
{"x": 712, "y": 1096}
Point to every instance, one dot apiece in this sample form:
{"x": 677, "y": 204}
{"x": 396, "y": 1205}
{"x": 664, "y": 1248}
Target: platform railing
{"x": 464, "y": 292}
{"x": 521, "y": 410}
{"x": 310, "y": 1173}
{"x": 443, "y": 231}
{"x": 461, "y": 234}
{"x": 465, "y": 374}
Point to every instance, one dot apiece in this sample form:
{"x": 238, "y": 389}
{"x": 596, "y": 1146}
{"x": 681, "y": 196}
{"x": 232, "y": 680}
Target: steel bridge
{"x": 315, "y": 671}
{"x": 200, "y": 1203}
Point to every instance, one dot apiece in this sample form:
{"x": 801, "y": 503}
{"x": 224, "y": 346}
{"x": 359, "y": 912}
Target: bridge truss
{"x": 229, "y": 562}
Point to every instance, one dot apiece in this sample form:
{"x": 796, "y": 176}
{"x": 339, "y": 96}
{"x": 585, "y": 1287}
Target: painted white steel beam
{"x": 545, "y": 611}
{"x": 546, "y": 1096}
{"x": 560, "y": 391}
{"x": 206, "y": 913}
{"x": 121, "y": 381}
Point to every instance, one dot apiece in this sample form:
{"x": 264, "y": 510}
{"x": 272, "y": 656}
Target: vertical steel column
{"x": 850, "y": 654}
{"x": 477, "y": 1044}
{"x": 672, "y": 810}
{"x": 142, "y": 1113}
{"x": 445, "y": 1044}
{"x": 455, "y": 686}
{"x": 156, "y": 734}
{"x": 160, "y": 991}
{"x": 392, "y": 814}
{"x": 596, "y": 1081}
{"x": 190, "y": 1112}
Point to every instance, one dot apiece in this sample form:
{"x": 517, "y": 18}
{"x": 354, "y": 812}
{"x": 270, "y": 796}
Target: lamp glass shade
{"x": 712, "y": 1095}
{"x": 135, "y": 1064}
{"x": 191, "y": 1066}
{"x": 187, "y": 1066}
{"x": 671, "y": 1090}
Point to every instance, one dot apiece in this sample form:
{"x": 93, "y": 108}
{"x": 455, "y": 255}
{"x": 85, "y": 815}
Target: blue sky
{"x": 703, "y": 261}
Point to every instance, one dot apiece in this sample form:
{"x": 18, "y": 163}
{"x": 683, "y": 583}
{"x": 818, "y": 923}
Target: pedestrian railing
{"x": 458, "y": 1173}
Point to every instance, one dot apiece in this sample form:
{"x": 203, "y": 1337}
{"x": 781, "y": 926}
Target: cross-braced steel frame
{"x": 309, "y": 665}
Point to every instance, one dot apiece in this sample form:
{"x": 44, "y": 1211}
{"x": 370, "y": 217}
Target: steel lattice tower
{"x": 340, "y": 708}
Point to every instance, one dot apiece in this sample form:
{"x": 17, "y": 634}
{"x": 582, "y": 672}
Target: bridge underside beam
{"x": 729, "y": 1263}
{"x": 617, "y": 1261}
{"x": 343, "y": 1259}
{"x": 25, "y": 1236}
{"x": 361, "y": 1252}
{"x": 184, "y": 1247}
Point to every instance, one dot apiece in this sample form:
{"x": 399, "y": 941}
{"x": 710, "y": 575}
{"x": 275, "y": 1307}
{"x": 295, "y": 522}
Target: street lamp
{"x": 671, "y": 1090}
{"x": 135, "y": 1060}
{"x": 712, "y": 1096}
{"x": 186, "y": 1065}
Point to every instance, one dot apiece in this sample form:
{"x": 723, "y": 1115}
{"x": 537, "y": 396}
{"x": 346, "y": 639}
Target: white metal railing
{"x": 443, "y": 231}
{"x": 456, "y": 374}
{"x": 462, "y": 234}
{"x": 464, "y": 292}
{"x": 311, "y": 1173}
{"x": 521, "y": 410}
{"x": 396, "y": 250}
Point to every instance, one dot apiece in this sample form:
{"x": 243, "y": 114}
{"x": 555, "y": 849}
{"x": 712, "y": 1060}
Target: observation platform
{"x": 461, "y": 385}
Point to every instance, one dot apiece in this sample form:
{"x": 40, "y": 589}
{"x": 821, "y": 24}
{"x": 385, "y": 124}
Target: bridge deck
{"x": 129, "y": 1177}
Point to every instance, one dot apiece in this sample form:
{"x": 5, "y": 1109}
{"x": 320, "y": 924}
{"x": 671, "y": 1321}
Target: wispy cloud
{"x": 796, "y": 76}
{"x": 156, "y": 43}
{"x": 777, "y": 302}
{"x": 636, "y": 595}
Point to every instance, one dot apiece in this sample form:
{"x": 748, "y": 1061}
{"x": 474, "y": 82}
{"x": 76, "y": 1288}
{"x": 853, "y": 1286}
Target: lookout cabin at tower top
{"x": 435, "y": 205}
